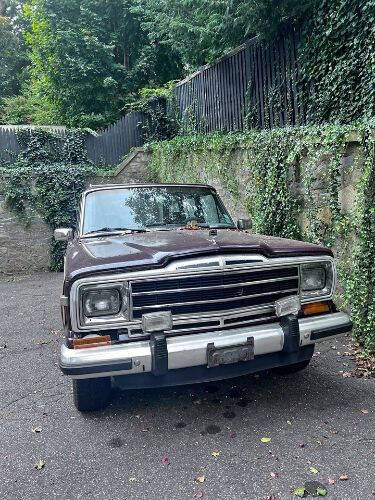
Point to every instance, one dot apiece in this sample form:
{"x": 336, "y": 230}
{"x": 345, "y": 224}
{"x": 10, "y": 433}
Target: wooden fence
{"x": 9, "y": 146}
{"x": 253, "y": 86}
{"x": 116, "y": 141}
{"x": 106, "y": 148}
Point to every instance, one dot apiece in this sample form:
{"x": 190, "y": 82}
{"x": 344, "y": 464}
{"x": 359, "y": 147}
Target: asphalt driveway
{"x": 154, "y": 444}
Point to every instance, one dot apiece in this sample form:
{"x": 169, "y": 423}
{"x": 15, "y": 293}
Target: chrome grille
{"x": 223, "y": 291}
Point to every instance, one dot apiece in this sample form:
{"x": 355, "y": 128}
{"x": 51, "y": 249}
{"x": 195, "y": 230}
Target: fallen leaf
{"x": 40, "y": 464}
{"x": 274, "y": 474}
{"x": 331, "y": 481}
{"x": 344, "y": 477}
{"x": 364, "y": 411}
{"x": 132, "y": 479}
{"x": 164, "y": 459}
{"x": 265, "y": 439}
{"x": 198, "y": 494}
{"x": 322, "y": 492}
{"x": 36, "y": 429}
{"x": 300, "y": 492}
{"x": 313, "y": 470}
{"x": 200, "y": 479}
{"x": 216, "y": 453}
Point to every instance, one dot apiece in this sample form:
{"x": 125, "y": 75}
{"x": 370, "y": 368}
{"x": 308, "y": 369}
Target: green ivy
{"x": 337, "y": 61}
{"x": 159, "y": 105}
{"x": 266, "y": 172}
{"x": 47, "y": 178}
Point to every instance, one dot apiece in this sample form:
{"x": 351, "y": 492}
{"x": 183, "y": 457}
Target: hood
{"x": 154, "y": 249}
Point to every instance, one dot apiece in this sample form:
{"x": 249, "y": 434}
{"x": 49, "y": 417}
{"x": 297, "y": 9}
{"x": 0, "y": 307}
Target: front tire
{"x": 289, "y": 369}
{"x": 91, "y": 394}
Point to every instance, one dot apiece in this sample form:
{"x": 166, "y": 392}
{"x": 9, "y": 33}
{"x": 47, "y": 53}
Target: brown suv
{"x": 162, "y": 288}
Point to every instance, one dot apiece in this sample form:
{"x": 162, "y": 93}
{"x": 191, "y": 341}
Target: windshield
{"x": 152, "y": 207}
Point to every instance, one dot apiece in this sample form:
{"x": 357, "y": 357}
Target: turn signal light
{"x": 98, "y": 341}
{"x": 316, "y": 308}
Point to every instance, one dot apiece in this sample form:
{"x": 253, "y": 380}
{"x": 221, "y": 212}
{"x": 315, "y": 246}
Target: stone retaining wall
{"x": 25, "y": 248}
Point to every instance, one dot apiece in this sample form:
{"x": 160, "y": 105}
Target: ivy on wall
{"x": 46, "y": 178}
{"x": 337, "y": 61}
{"x": 289, "y": 180}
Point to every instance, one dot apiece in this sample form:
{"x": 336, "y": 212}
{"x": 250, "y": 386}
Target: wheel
{"x": 288, "y": 369}
{"x": 91, "y": 394}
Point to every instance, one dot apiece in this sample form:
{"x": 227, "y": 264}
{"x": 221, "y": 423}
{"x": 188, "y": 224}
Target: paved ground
{"x": 314, "y": 419}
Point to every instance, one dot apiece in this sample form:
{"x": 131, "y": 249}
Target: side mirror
{"x": 63, "y": 234}
{"x": 243, "y": 224}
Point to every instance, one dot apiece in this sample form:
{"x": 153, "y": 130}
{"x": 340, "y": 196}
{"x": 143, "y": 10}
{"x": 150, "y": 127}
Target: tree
{"x": 202, "y": 30}
{"x": 13, "y": 55}
{"x": 89, "y": 55}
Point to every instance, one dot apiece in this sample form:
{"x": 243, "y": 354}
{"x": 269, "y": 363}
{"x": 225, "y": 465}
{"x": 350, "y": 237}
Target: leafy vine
{"x": 46, "y": 178}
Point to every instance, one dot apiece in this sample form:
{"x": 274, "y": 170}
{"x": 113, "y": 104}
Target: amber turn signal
{"x": 316, "y": 308}
{"x": 98, "y": 341}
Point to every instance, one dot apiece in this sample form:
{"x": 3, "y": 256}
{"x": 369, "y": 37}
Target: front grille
{"x": 223, "y": 291}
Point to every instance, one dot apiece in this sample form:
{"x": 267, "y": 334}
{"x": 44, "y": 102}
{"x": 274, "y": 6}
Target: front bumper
{"x": 271, "y": 344}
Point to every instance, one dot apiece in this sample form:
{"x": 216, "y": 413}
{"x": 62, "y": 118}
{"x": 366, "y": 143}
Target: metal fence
{"x": 253, "y": 86}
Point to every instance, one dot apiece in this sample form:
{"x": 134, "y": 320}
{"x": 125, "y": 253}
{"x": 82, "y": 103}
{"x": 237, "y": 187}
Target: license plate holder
{"x": 227, "y": 355}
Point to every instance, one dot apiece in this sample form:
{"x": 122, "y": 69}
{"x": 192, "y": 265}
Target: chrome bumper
{"x": 191, "y": 350}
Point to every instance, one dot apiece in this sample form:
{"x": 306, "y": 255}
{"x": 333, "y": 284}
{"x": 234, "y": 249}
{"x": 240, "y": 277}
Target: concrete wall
{"x": 25, "y": 248}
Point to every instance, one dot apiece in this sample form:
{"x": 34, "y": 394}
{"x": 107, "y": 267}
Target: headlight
{"x": 317, "y": 279}
{"x": 101, "y": 302}
{"x": 313, "y": 278}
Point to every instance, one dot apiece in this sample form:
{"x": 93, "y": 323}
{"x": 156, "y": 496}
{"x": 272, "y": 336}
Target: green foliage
{"x": 360, "y": 282}
{"x": 47, "y": 178}
{"x": 158, "y": 103}
{"x": 87, "y": 56}
{"x": 289, "y": 180}
{"x": 202, "y": 30}
{"x": 13, "y": 59}
{"x": 338, "y": 61}
{"x": 24, "y": 109}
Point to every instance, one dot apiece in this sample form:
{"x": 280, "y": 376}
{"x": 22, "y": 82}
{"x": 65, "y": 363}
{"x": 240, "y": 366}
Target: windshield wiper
{"x": 115, "y": 230}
